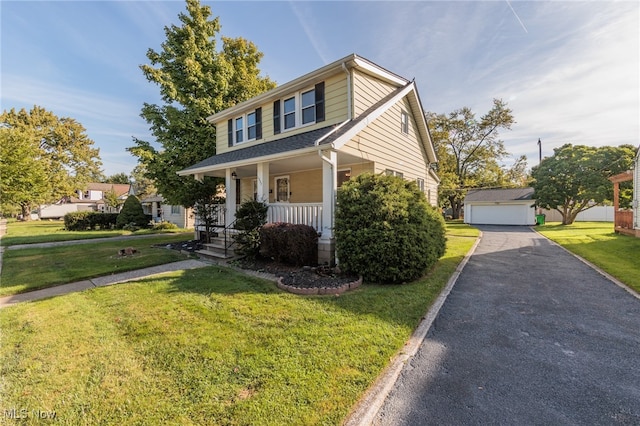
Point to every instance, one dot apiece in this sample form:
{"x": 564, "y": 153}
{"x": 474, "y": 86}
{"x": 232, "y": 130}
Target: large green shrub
{"x": 250, "y": 217}
{"x": 132, "y": 216}
{"x": 385, "y": 229}
{"x": 89, "y": 220}
{"x": 289, "y": 243}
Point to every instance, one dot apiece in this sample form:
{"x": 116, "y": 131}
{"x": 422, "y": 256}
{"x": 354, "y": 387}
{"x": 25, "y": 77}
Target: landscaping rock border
{"x": 319, "y": 290}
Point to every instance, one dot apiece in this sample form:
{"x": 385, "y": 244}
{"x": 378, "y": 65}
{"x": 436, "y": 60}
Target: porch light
{"x": 234, "y": 175}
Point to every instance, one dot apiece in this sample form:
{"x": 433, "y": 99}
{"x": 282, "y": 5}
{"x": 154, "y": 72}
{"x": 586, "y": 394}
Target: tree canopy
{"x": 575, "y": 178}
{"x": 57, "y": 152}
{"x": 195, "y": 81}
{"x": 469, "y": 152}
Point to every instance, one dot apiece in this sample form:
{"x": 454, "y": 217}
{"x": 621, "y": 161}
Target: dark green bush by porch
{"x": 132, "y": 214}
{"x": 250, "y": 217}
{"x": 289, "y": 243}
{"x": 385, "y": 229}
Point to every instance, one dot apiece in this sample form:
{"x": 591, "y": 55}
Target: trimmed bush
{"x": 77, "y": 221}
{"x": 165, "y": 225}
{"x": 385, "y": 229}
{"x": 250, "y": 217}
{"x": 132, "y": 216}
{"x": 289, "y": 243}
{"x": 89, "y": 220}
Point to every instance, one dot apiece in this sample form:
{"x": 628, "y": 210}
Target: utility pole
{"x": 539, "y": 151}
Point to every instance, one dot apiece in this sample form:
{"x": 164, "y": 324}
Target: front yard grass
{"x": 35, "y": 268}
{"x": 209, "y": 347}
{"x": 596, "y": 242}
{"x": 44, "y": 231}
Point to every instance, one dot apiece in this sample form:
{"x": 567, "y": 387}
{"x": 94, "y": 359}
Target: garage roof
{"x": 497, "y": 195}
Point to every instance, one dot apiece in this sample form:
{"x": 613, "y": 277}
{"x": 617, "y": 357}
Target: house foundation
{"x": 327, "y": 252}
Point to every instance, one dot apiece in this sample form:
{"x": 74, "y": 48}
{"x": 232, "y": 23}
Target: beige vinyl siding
{"x": 335, "y": 98}
{"x": 383, "y": 142}
{"x": 368, "y": 91}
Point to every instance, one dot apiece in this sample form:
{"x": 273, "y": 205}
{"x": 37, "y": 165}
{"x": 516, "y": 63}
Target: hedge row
{"x": 89, "y": 220}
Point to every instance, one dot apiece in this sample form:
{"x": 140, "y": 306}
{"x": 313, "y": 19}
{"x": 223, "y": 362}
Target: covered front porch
{"x": 299, "y": 189}
{"x": 623, "y": 219}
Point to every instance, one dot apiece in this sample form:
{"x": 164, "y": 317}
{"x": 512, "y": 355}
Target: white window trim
{"x": 275, "y": 188}
{"x": 403, "y": 124}
{"x": 245, "y": 128}
{"x": 298, "y": 110}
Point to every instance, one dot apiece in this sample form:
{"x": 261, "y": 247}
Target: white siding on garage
{"x": 499, "y": 214}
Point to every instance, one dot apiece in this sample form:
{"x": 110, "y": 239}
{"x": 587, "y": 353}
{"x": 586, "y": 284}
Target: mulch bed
{"x": 295, "y": 279}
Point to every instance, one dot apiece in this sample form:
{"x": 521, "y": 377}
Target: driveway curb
{"x": 370, "y": 404}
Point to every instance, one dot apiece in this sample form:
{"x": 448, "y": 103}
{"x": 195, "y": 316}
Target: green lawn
{"x": 596, "y": 242}
{"x": 34, "y": 268}
{"x": 209, "y": 347}
{"x": 48, "y": 231}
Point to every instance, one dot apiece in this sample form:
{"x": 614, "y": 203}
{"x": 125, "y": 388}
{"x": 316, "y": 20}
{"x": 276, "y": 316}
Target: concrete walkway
{"x": 101, "y": 282}
{"x": 529, "y": 334}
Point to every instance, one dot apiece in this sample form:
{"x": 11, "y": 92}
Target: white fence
{"x": 594, "y": 214}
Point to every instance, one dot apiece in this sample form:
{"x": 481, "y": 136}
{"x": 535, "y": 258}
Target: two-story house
{"x": 295, "y": 145}
{"x": 91, "y": 198}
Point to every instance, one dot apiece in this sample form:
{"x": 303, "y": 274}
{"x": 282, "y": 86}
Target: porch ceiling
{"x": 307, "y": 161}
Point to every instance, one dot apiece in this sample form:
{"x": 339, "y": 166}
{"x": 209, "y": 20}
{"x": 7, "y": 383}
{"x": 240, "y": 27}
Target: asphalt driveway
{"x": 529, "y": 335}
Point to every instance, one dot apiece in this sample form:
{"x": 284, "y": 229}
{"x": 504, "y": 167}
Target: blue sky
{"x": 569, "y": 70}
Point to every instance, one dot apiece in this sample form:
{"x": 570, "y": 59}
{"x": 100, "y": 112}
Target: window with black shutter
{"x": 259, "y": 123}
{"x": 230, "y": 131}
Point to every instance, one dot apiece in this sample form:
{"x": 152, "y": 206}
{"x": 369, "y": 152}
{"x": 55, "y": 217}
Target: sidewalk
{"x": 100, "y": 282}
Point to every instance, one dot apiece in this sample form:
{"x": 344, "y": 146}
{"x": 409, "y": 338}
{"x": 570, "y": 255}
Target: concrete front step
{"x": 216, "y": 255}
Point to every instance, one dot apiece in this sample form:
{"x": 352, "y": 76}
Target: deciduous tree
{"x": 195, "y": 81}
{"x": 469, "y": 150}
{"x": 60, "y": 146}
{"x": 575, "y": 178}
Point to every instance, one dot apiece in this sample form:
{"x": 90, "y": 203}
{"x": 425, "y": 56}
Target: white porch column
{"x": 230, "y": 204}
{"x": 263, "y": 182}
{"x": 326, "y": 243}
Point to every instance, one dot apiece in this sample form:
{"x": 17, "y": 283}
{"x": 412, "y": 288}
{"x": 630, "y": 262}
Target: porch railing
{"x": 297, "y": 213}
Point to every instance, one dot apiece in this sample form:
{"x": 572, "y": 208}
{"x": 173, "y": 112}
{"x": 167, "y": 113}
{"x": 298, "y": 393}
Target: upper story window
{"x": 404, "y": 122}
{"x": 304, "y": 107}
{"x": 245, "y": 128}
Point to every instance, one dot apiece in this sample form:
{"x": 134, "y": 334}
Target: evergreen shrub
{"x": 132, "y": 216}
{"x": 250, "y": 217}
{"x": 289, "y": 243}
{"x": 385, "y": 229}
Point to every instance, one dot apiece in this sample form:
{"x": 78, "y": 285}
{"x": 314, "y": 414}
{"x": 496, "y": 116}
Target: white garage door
{"x": 503, "y": 214}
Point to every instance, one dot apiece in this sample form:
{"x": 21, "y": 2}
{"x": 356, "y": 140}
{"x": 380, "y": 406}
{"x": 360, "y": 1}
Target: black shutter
{"x": 320, "y": 102}
{"x": 276, "y": 117}
{"x": 230, "y": 131}
{"x": 259, "y": 123}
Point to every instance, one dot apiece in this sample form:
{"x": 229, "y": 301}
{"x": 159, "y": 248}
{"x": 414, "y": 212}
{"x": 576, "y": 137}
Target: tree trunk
{"x": 26, "y": 212}
{"x": 456, "y": 207}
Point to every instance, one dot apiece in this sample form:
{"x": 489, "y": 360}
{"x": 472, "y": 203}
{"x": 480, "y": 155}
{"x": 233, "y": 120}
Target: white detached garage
{"x": 500, "y": 207}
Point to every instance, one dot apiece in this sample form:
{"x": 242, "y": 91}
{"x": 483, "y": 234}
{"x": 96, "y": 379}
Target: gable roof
{"x": 499, "y": 195}
{"x": 119, "y": 188}
{"x": 350, "y": 61}
{"x": 330, "y": 136}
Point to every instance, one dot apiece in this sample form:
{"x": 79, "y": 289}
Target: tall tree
{"x": 468, "y": 150}
{"x": 121, "y": 178}
{"x": 575, "y": 178}
{"x": 23, "y": 174}
{"x": 195, "y": 81}
{"x": 62, "y": 147}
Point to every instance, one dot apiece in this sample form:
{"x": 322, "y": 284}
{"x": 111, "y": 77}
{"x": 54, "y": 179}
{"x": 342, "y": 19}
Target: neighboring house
{"x": 91, "y": 198}
{"x": 500, "y": 207}
{"x": 627, "y": 221}
{"x": 293, "y": 146}
{"x": 163, "y": 212}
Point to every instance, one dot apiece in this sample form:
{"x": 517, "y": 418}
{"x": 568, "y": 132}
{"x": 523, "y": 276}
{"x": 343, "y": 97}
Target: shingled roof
{"x": 499, "y": 195}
